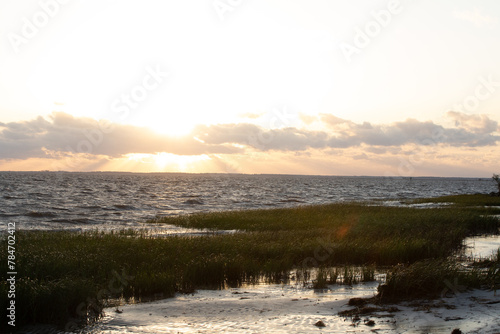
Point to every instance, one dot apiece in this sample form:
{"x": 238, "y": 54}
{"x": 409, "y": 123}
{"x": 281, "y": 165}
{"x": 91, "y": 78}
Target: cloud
{"x": 307, "y": 119}
{"x": 284, "y": 139}
{"x": 251, "y": 115}
{"x": 474, "y": 123}
{"x": 61, "y": 135}
{"x": 361, "y": 156}
{"x": 475, "y": 16}
{"x": 343, "y": 133}
{"x": 333, "y": 120}
{"x": 348, "y": 134}
{"x": 66, "y": 134}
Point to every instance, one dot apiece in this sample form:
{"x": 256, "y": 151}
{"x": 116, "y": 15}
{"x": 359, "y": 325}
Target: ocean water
{"x": 80, "y": 201}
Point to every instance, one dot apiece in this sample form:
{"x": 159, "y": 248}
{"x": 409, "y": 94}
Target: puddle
{"x": 481, "y": 247}
{"x": 402, "y": 204}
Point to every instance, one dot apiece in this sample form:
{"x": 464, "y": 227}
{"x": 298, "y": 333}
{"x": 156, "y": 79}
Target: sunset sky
{"x": 363, "y": 87}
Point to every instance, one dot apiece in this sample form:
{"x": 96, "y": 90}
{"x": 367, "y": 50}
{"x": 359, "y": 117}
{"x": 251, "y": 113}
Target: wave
{"x": 193, "y": 202}
{"x": 59, "y": 208}
{"x": 90, "y": 207}
{"x": 11, "y": 197}
{"x": 9, "y": 215}
{"x": 124, "y": 207}
{"x": 39, "y": 194}
{"x": 291, "y": 200}
{"x": 84, "y": 221}
{"x": 40, "y": 214}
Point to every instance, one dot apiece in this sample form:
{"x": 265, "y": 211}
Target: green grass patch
{"x": 463, "y": 200}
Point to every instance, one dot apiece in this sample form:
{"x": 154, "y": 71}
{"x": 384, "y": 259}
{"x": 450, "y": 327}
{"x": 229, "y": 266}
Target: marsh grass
{"x": 344, "y": 275}
{"x": 431, "y": 279}
{"x": 463, "y": 200}
{"x": 368, "y": 274}
{"x": 321, "y": 281}
{"x": 493, "y": 273}
{"x": 349, "y": 276}
{"x": 62, "y": 270}
{"x": 332, "y": 275}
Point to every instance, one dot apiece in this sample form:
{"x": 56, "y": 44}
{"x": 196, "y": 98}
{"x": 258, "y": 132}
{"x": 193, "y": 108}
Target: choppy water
{"x": 60, "y": 200}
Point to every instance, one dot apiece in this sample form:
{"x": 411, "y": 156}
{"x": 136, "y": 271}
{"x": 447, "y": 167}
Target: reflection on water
{"x": 481, "y": 247}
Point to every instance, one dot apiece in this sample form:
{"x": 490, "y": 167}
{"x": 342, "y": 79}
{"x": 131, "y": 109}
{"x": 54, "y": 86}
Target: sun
{"x": 168, "y": 162}
{"x": 181, "y": 163}
{"x": 161, "y": 160}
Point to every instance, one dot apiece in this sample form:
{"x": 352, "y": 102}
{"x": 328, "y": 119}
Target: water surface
{"x": 79, "y": 201}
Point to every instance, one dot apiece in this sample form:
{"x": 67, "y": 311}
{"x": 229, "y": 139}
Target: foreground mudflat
{"x": 292, "y": 309}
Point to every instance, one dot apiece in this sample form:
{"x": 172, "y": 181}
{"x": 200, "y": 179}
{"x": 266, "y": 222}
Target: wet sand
{"x": 294, "y": 309}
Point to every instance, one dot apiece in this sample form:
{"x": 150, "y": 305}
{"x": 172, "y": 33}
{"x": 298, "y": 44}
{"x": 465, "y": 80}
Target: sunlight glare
{"x": 168, "y": 161}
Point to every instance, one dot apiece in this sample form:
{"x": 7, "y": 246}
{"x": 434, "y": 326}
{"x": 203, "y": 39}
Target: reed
{"x": 433, "y": 278}
{"x": 349, "y": 276}
{"x": 368, "y": 274}
{"x": 321, "y": 281}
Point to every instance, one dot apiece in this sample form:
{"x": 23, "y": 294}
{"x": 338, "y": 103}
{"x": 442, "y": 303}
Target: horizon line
{"x": 250, "y": 174}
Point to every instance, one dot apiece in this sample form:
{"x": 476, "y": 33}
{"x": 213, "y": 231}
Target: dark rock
{"x": 370, "y": 323}
{"x": 320, "y": 324}
{"x": 356, "y": 302}
{"x": 368, "y": 310}
{"x": 456, "y": 331}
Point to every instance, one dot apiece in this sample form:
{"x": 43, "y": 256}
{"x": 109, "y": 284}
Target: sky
{"x": 323, "y": 87}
